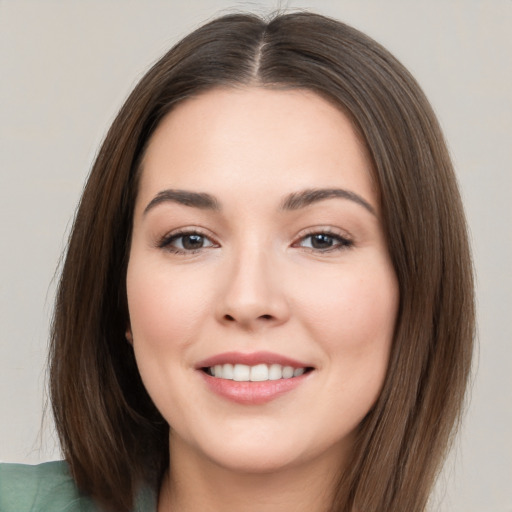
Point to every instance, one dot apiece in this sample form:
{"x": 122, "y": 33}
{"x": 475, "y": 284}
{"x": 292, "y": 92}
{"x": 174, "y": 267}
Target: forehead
{"x": 249, "y": 140}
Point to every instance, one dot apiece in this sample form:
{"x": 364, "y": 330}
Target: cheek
{"x": 360, "y": 304}
{"x": 352, "y": 316}
{"x": 166, "y": 309}
{"x": 166, "y": 314}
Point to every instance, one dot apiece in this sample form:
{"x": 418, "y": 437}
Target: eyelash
{"x": 167, "y": 240}
{"x": 339, "y": 242}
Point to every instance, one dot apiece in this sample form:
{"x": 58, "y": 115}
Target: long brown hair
{"x": 111, "y": 434}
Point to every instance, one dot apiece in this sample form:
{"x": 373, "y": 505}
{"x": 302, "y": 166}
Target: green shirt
{"x": 49, "y": 487}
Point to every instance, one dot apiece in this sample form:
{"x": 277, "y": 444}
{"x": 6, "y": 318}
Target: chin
{"x": 256, "y": 461}
{"x": 271, "y": 455}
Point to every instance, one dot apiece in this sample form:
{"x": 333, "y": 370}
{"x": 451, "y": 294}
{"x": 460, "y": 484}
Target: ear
{"x": 128, "y": 335}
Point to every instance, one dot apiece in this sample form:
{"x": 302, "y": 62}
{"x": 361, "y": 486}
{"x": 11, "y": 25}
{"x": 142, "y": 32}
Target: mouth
{"x": 255, "y": 378}
{"x": 255, "y": 373}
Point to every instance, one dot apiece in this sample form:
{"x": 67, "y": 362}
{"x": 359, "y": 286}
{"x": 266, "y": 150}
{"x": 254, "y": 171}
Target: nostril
{"x": 231, "y": 318}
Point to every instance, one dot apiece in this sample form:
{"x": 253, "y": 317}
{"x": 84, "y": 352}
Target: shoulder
{"x": 41, "y": 488}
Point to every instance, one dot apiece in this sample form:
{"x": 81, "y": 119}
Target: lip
{"x": 251, "y": 359}
{"x": 251, "y": 393}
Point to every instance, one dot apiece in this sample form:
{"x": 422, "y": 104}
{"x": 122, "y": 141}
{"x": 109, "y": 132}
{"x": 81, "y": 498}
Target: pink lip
{"x": 251, "y": 393}
{"x": 251, "y": 359}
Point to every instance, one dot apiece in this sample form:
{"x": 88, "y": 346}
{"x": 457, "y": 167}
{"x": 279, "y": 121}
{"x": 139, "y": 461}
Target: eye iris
{"x": 192, "y": 241}
{"x": 321, "y": 241}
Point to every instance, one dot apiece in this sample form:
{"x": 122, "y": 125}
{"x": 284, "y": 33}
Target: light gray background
{"x": 65, "y": 69}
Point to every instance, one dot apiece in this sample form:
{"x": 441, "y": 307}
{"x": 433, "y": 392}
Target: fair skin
{"x": 263, "y": 274}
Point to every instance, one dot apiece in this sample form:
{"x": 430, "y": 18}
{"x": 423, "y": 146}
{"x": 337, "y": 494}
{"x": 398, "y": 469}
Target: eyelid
{"x": 165, "y": 241}
{"x": 345, "y": 239}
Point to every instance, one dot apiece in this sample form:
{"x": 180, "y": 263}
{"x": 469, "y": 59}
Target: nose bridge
{"x": 253, "y": 293}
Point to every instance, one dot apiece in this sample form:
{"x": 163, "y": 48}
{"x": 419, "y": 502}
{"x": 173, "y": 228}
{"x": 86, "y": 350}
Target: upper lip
{"x": 250, "y": 359}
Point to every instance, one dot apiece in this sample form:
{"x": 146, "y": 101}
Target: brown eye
{"x": 191, "y": 242}
{"x": 186, "y": 242}
{"x": 324, "y": 242}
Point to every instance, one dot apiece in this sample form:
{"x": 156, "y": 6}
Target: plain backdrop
{"x": 65, "y": 69}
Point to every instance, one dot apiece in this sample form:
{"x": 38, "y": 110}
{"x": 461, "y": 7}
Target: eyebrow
{"x": 308, "y": 197}
{"x": 193, "y": 199}
{"x": 294, "y": 201}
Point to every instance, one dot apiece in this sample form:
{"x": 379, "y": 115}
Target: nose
{"x": 253, "y": 295}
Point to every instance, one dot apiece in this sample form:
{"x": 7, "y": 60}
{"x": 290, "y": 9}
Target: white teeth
{"x": 257, "y": 373}
{"x": 227, "y": 371}
{"x": 241, "y": 372}
{"x": 287, "y": 372}
{"x": 275, "y": 372}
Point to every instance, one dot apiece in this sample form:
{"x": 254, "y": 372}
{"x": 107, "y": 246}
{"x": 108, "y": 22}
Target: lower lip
{"x": 252, "y": 393}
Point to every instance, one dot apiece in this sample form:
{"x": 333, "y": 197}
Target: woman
{"x": 267, "y": 299}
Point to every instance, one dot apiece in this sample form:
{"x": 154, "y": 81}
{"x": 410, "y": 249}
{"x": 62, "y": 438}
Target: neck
{"x": 193, "y": 484}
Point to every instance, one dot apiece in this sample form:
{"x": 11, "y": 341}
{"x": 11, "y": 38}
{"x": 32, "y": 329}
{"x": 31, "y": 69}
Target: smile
{"x": 256, "y": 373}
{"x": 255, "y": 378}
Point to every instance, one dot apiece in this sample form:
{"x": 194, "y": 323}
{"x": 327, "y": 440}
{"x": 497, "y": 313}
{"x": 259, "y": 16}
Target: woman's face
{"x": 261, "y": 295}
